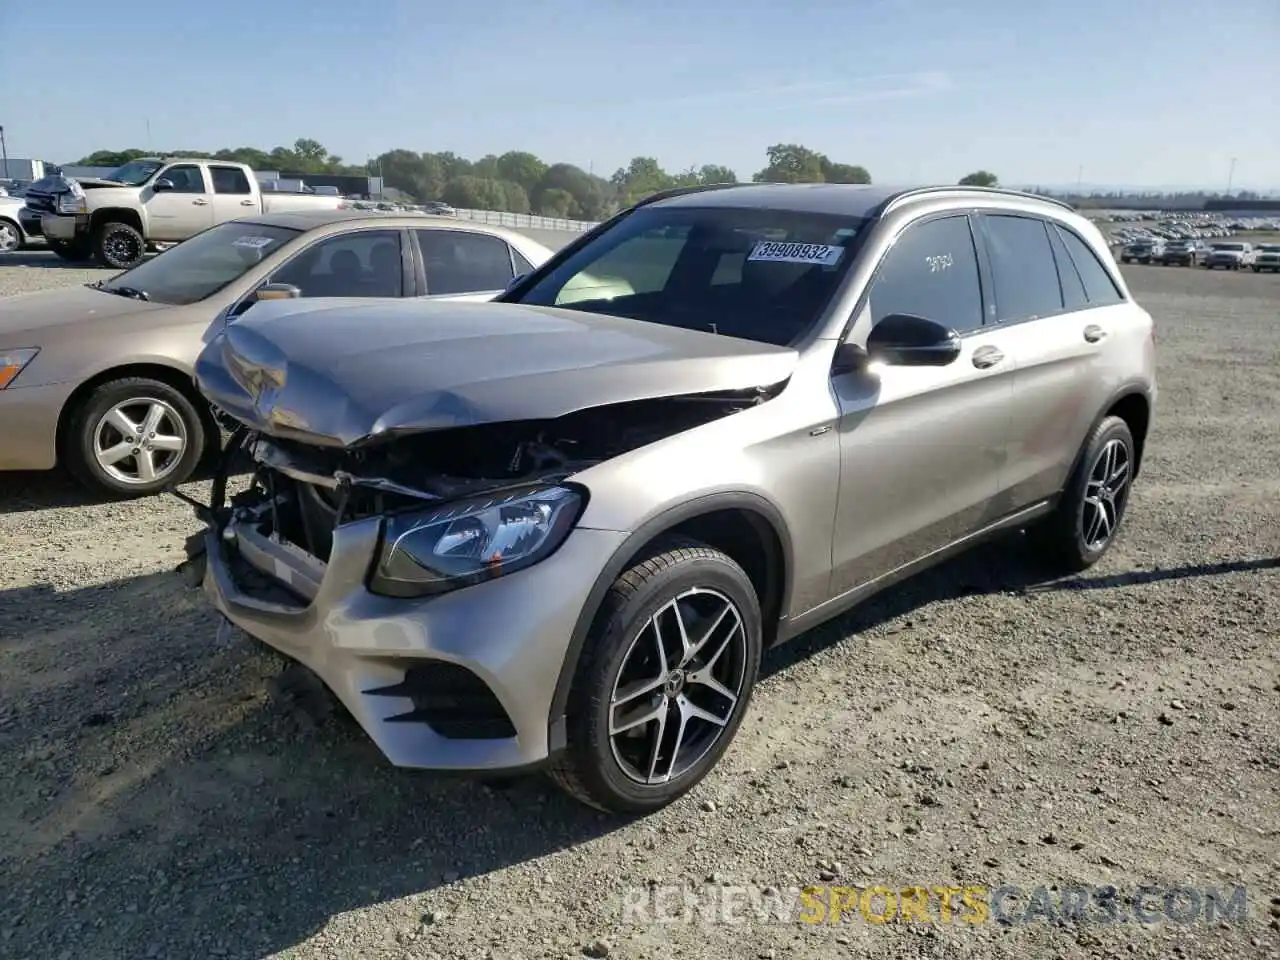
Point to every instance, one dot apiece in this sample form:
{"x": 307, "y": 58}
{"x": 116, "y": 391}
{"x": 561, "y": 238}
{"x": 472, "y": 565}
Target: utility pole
{"x": 1231, "y": 175}
{"x": 4, "y": 152}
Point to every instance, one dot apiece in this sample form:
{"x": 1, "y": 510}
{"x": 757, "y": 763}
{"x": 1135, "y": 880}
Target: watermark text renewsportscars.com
{"x": 954, "y": 904}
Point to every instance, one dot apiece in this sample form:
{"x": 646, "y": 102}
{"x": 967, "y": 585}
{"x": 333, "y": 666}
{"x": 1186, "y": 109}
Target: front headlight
{"x": 69, "y": 203}
{"x": 431, "y": 552}
{"x": 13, "y": 362}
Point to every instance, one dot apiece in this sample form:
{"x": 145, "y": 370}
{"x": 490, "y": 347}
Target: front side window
{"x": 186, "y": 178}
{"x": 200, "y": 267}
{"x": 458, "y": 261}
{"x": 758, "y": 274}
{"x": 363, "y": 263}
{"x": 931, "y": 271}
{"x": 1024, "y": 275}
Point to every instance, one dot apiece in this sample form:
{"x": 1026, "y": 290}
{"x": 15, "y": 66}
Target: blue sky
{"x": 1120, "y": 91}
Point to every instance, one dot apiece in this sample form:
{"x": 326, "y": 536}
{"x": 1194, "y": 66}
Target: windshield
{"x": 1228, "y": 246}
{"x": 135, "y": 172}
{"x": 758, "y": 274}
{"x": 200, "y": 267}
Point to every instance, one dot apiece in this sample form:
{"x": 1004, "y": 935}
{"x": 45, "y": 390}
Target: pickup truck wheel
{"x": 118, "y": 245}
{"x": 133, "y": 437}
{"x": 664, "y": 680}
{"x": 10, "y": 237}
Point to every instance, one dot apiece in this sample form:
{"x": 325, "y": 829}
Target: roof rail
{"x": 681, "y": 191}
{"x": 915, "y": 192}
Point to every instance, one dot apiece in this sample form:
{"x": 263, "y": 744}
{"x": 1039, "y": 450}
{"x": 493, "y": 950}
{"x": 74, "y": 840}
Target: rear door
{"x": 233, "y": 194}
{"x": 1055, "y": 304}
{"x": 182, "y": 211}
{"x": 922, "y": 448}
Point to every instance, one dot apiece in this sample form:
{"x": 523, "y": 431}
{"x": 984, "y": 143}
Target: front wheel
{"x": 1085, "y": 523}
{"x": 133, "y": 437}
{"x": 10, "y": 237}
{"x": 118, "y": 245}
{"x": 664, "y": 680}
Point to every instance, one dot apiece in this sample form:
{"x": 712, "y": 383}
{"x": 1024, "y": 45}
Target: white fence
{"x": 527, "y": 221}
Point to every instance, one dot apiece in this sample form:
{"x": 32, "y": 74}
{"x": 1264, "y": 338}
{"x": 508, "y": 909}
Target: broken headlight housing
{"x": 424, "y": 553}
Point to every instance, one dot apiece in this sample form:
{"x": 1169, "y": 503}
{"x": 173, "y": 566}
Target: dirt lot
{"x": 974, "y": 727}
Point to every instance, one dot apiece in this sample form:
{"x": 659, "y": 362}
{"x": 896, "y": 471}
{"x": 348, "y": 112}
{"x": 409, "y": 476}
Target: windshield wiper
{"x": 133, "y": 292}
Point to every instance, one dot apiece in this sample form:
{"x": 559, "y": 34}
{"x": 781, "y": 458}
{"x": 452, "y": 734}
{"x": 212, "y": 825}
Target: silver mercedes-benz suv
{"x": 559, "y": 529}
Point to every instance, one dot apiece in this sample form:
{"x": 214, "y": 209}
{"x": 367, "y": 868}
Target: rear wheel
{"x": 664, "y": 680}
{"x": 1088, "y": 516}
{"x": 118, "y": 245}
{"x": 133, "y": 437}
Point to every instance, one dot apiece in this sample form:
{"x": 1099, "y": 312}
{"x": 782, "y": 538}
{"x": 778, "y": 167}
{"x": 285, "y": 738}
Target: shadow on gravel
{"x": 158, "y": 802}
{"x": 26, "y": 491}
{"x": 45, "y": 260}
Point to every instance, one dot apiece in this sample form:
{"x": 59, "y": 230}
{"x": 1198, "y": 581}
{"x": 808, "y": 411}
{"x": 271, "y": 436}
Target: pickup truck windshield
{"x": 758, "y": 274}
{"x": 135, "y": 172}
{"x": 200, "y": 267}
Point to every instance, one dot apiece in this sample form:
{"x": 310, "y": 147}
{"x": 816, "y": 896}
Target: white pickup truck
{"x": 118, "y": 218}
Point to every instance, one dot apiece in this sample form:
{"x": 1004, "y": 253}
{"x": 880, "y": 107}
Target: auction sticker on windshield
{"x": 778, "y": 252}
{"x": 254, "y": 243}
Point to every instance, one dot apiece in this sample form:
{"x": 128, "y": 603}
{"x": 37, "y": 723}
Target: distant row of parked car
{"x": 1227, "y": 254}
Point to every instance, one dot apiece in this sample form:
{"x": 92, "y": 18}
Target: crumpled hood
{"x": 349, "y": 375}
{"x": 37, "y": 312}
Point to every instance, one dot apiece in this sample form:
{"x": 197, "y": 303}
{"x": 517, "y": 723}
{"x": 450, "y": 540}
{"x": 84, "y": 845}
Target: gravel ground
{"x": 976, "y": 726}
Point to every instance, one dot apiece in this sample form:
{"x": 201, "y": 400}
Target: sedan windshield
{"x": 759, "y": 274}
{"x": 135, "y": 172}
{"x": 200, "y": 267}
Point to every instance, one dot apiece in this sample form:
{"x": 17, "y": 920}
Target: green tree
{"x": 792, "y": 163}
{"x": 844, "y": 173}
{"x": 713, "y": 173}
{"x": 523, "y": 168}
{"x": 980, "y": 178}
{"x": 555, "y": 202}
{"x": 110, "y": 158}
{"x": 590, "y": 195}
{"x": 640, "y": 178}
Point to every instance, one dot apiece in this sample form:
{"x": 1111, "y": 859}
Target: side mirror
{"x": 164, "y": 183}
{"x": 277, "y": 291}
{"x": 849, "y": 358}
{"x": 908, "y": 341}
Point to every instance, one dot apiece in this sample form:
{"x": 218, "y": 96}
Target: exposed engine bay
{"x": 300, "y": 493}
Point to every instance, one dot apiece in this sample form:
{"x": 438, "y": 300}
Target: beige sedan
{"x": 97, "y": 377}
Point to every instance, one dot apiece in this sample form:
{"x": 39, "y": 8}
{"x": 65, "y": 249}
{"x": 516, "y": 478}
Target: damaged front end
{"x": 455, "y": 507}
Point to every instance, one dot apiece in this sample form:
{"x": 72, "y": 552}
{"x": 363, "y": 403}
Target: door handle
{"x": 201, "y": 202}
{"x": 247, "y": 203}
{"x": 988, "y": 356}
{"x": 1093, "y": 333}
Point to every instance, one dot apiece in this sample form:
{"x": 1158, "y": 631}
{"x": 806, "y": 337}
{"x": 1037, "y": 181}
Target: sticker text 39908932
{"x": 779, "y": 252}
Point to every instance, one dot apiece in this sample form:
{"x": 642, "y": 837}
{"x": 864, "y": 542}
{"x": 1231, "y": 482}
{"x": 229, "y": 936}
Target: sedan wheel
{"x": 133, "y": 437}
{"x": 10, "y": 238}
{"x": 664, "y": 679}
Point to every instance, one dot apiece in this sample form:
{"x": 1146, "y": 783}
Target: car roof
{"x": 848, "y": 199}
{"x": 306, "y": 220}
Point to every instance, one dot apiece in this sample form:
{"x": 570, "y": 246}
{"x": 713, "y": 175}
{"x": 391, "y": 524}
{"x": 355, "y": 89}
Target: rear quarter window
{"x": 1099, "y": 287}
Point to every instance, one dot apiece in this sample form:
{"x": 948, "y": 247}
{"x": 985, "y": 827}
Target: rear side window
{"x": 1073, "y": 293}
{"x": 1023, "y": 271}
{"x": 1098, "y": 285}
{"x": 229, "y": 180}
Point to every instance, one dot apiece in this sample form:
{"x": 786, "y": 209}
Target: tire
{"x": 72, "y": 252}
{"x": 118, "y": 245}
{"x": 10, "y": 237}
{"x": 1257, "y": 269}
{"x": 1062, "y": 539}
{"x": 137, "y": 398}
{"x": 677, "y": 575}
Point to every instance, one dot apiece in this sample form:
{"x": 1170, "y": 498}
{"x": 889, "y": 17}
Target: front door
{"x": 183, "y": 211}
{"x": 922, "y": 448}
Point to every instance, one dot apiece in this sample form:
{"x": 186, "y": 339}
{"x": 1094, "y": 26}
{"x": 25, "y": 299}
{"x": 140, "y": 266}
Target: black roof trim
{"x": 681, "y": 191}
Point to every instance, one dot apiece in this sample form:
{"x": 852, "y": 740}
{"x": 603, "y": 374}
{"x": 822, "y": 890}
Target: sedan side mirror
{"x": 909, "y": 341}
{"x": 277, "y": 291}
{"x": 164, "y": 183}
